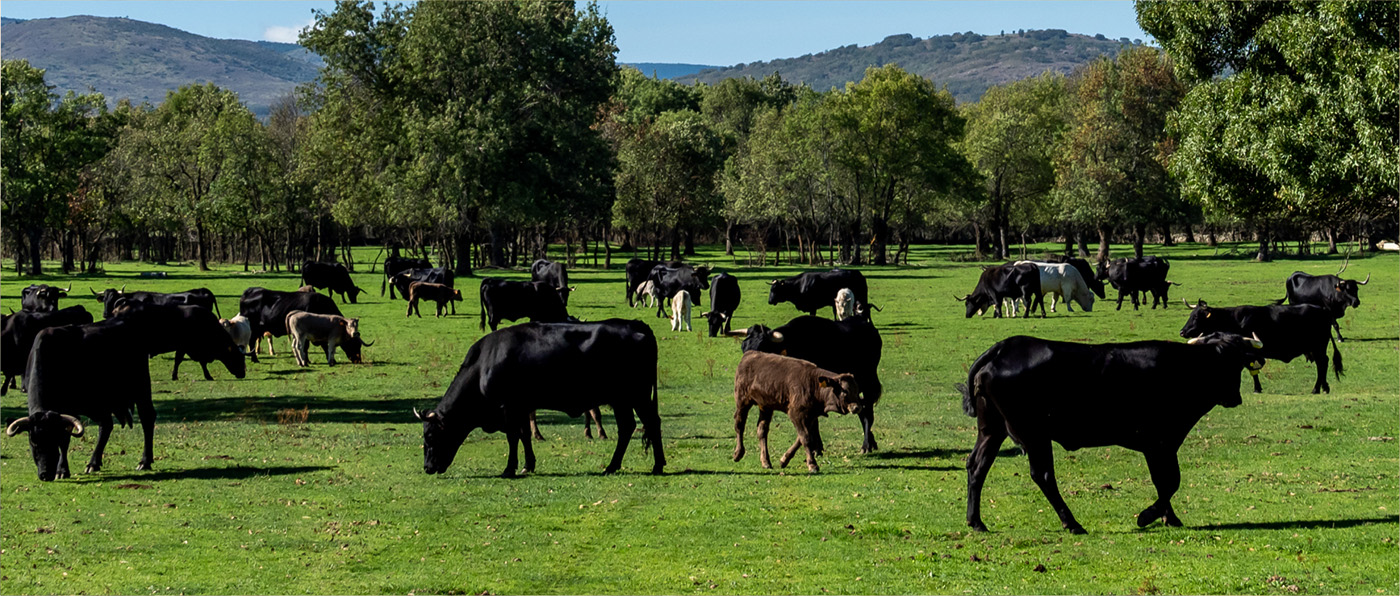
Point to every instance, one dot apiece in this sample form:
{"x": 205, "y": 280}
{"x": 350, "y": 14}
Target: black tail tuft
{"x": 1336, "y": 358}
{"x": 968, "y": 402}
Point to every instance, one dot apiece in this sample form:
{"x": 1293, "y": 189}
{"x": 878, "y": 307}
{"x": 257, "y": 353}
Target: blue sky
{"x": 698, "y": 32}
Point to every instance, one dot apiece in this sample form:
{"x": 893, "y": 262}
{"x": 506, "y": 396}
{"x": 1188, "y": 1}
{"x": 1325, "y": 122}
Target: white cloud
{"x": 282, "y": 34}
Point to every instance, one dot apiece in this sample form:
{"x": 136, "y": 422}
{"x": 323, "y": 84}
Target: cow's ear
{"x": 826, "y": 382}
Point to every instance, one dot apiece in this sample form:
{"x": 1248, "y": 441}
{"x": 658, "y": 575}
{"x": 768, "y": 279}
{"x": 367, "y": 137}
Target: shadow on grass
{"x": 915, "y": 468}
{"x": 320, "y": 408}
{"x": 234, "y": 473}
{"x": 937, "y": 453}
{"x": 1354, "y": 339}
{"x": 1304, "y": 524}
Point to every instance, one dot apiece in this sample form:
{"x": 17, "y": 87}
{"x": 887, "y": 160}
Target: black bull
{"x": 505, "y": 300}
{"x": 395, "y": 265}
{"x": 17, "y": 333}
{"x": 815, "y": 290}
{"x": 333, "y": 276}
{"x": 267, "y": 310}
{"x": 850, "y": 346}
{"x": 568, "y": 367}
{"x": 1330, "y": 292}
{"x": 1009, "y": 281}
{"x": 196, "y": 297}
{"x": 41, "y": 297}
{"x": 1287, "y": 332}
{"x": 1013, "y": 390}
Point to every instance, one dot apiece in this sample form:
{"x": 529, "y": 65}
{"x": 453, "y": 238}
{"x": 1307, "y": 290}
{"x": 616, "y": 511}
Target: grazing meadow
{"x": 310, "y": 480}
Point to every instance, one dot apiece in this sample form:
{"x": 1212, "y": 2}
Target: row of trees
{"x": 481, "y": 132}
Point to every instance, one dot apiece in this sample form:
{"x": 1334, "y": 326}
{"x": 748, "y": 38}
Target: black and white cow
{"x": 567, "y": 367}
{"x": 639, "y": 270}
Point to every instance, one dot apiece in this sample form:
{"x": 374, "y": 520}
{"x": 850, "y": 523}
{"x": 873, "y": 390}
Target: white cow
{"x": 845, "y": 304}
{"x": 646, "y": 291}
{"x": 680, "y": 311}
{"x": 241, "y": 330}
{"x": 1062, "y": 280}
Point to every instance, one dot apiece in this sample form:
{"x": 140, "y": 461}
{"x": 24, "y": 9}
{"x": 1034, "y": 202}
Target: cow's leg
{"x": 5, "y": 386}
{"x": 801, "y": 423}
{"x": 62, "y": 471}
{"x": 529, "y": 449}
{"x": 453, "y": 306}
{"x": 148, "y": 429}
{"x": 175, "y": 373}
{"x": 253, "y": 355}
{"x": 741, "y": 420}
{"x": 535, "y": 427}
{"x": 867, "y": 420}
{"x": 513, "y": 433}
{"x": 990, "y": 435}
{"x": 204, "y": 366}
{"x": 104, "y": 432}
{"x": 595, "y": 416}
{"x": 651, "y": 434}
{"x": 1042, "y": 461}
{"x": 626, "y": 425}
{"x": 1055, "y": 299}
{"x": 409, "y": 312}
{"x": 1254, "y": 374}
{"x": 1321, "y": 359}
{"x": 330, "y": 352}
{"x": 765, "y": 419}
{"x": 1166, "y": 475}
{"x": 1120, "y": 300}
{"x": 1337, "y": 324}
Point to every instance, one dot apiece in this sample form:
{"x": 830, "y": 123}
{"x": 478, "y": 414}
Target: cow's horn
{"x": 94, "y": 292}
{"x": 70, "y": 288}
{"x": 367, "y": 343}
{"x": 772, "y": 282}
{"x": 416, "y": 414}
{"x": 1368, "y": 280}
{"x": 123, "y": 290}
{"x": 1173, "y": 282}
{"x": 75, "y": 424}
{"x": 1344, "y": 263}
{"x": 1195, "y": 340}
{"x": 777, "y": 337}
{"x": 964, "y": 298}
{"x": 17, "y": 427}
{"x": 1188, "y": 304}
{"x": 1255, "y": 341}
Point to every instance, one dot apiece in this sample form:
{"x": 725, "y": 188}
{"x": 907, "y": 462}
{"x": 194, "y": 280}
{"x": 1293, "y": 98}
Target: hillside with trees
{"x": 968, "y": 63}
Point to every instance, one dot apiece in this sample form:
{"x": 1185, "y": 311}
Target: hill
{"x": 666, "y": 70}
{"x": 968, "y": 63}
{"x": 127, "y": 58}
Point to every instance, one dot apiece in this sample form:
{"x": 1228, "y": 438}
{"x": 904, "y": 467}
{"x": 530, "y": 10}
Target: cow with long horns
{"x": 1287, "y": 331}
{"x": 1329, "y": 292}
{"x": 41, "y": 297}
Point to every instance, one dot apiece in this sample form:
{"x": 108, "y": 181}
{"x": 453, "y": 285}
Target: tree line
{"x": 481, "y": 133}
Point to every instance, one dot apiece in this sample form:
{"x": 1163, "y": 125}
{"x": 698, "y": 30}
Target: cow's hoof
{"x": 537, "y": 437}
{"x": 1076, "y": 529}
{"x": 1171, "y": 521}
{"x": 1145, "y": 518}
{"x": 509, "y": 474}
{"x": 1261, "y": 391}
{"x": 738, "y": 455}
{"x": 143, "y": 466}
{"x": 610, "y": 470}
{"x": 657, "y": 470}
{"x": 813, "y": 469}
{"x": 978, "y": 526}
{"x": 92, "y": 469}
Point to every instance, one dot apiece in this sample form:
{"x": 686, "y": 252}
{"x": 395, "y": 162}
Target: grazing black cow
{"x": 1009, "y": 281}
{"x": 815, "y": 290}
{"x": 568, "y": 367}
{"x": 1018, "y": 389}
{"x": 849, "y": 346}
{"x": 190, "y": 331}
{"x": 1287, "y": 332}
{"x": 1330, "y": 292}
{"x": 266, "y": 310}
{"x": 97, "y": 370}
{"x": 196, "y": 297}
{"x": 667, "y": 281}
{"x": 724, "y": 299}
{"x": 504, "y": 300}
{"x": 434, "y": 275}
{"x": 554, "y": 274}
{"x": 639, "y": 270}
{"x": 1135, "y": 276}
{"x": 41, "y": 297}
{"x": 17, "y": 333}
{"x": 332, "y": 276}
{"x": 396, "y": 265}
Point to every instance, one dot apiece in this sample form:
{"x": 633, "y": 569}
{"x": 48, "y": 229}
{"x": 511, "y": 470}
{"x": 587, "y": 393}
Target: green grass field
{"x": 1288, "y": 493}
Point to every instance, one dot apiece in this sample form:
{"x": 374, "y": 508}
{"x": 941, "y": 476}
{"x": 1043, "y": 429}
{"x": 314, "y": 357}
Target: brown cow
{"x": 439, "y": 293}
{"x": 796, "y": 387}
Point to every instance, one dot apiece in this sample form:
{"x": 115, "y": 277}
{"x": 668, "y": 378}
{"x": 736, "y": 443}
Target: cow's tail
{"x": 383, "y": 285}
{"x": 1280, "y": 301}
{"x": 655, "y": 407}
{"x": 481, "y": 325}
{"x": 969, "y": 390}
{"x": 1336, "y": 357}
{"x": 216, "y": 308}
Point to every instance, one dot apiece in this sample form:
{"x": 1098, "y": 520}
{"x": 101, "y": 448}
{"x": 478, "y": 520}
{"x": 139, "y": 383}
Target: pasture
{"x": 310, "y": 480}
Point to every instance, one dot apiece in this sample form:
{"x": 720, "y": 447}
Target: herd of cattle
{"x": 807, "y": 368}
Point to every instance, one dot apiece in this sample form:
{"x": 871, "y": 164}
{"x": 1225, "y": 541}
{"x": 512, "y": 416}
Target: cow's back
{"x": 561, "y": 365}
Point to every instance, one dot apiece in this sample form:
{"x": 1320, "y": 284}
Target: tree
{"x": 666, "y": 176}
{"x": 1111, "y": 166}
{"x": 1293, "y": 110}
{"x": 48, "y": 144}
{"x": 188, "y": 161}
{"x": 1011, "y": 137}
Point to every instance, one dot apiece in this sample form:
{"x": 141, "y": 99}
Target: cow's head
{"x": 760, "y": 338}
{"x": 841, "y": 394}
{"x": 232, "y": 358}
{"x": 782, "y": 290}
{"x": 456, "y": 295}
{"x": 352, "y": 348}
{"x": 716, "y": 321}
{"x": 1203, "y": 320}
{"x": 442, "y": 439}
{"x": 108, "y": 297}
{"x": 702, "y": 275}
{"x": 977, "y": 302}
{"x": 1236, "y": 351}
{"x": 1348, "y": 291}
{"x": 49, "y": 434}
{"x": 563, "y": 293}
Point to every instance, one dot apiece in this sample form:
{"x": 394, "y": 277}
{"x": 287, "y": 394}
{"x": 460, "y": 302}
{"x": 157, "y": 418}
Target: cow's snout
{"x": 853, "y": 408}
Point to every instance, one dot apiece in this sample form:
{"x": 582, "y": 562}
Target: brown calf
{"x": 439, "y": 293}
{"x": 796, "y": 387}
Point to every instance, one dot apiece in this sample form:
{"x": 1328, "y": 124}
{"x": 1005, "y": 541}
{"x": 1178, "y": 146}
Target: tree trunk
{"x": 201, "y": 251}
{"x": 1263, "y": 235}
{"x": 729, "y": 239}
{"x": 1069, "y": 242}
{"x": 1103, "y": 245}
{"x": 1190, "y": 235}
{"x": 35, "y": 256}
{"x": 464, "y": 254}
{"x": 1167, "y": 239}
{"x": 881, "y": 244}
{"x": 498, "y": 249}
{"x": 1210, "y": 237}
{"x": 1139, "y": 232}
{"x": 690, "y": 243}
{"x": 1331, "y": 241}
{"x": 1083, "y": 245}
{"x": 676, "y": 243}
{"x": 977, "y": 242}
